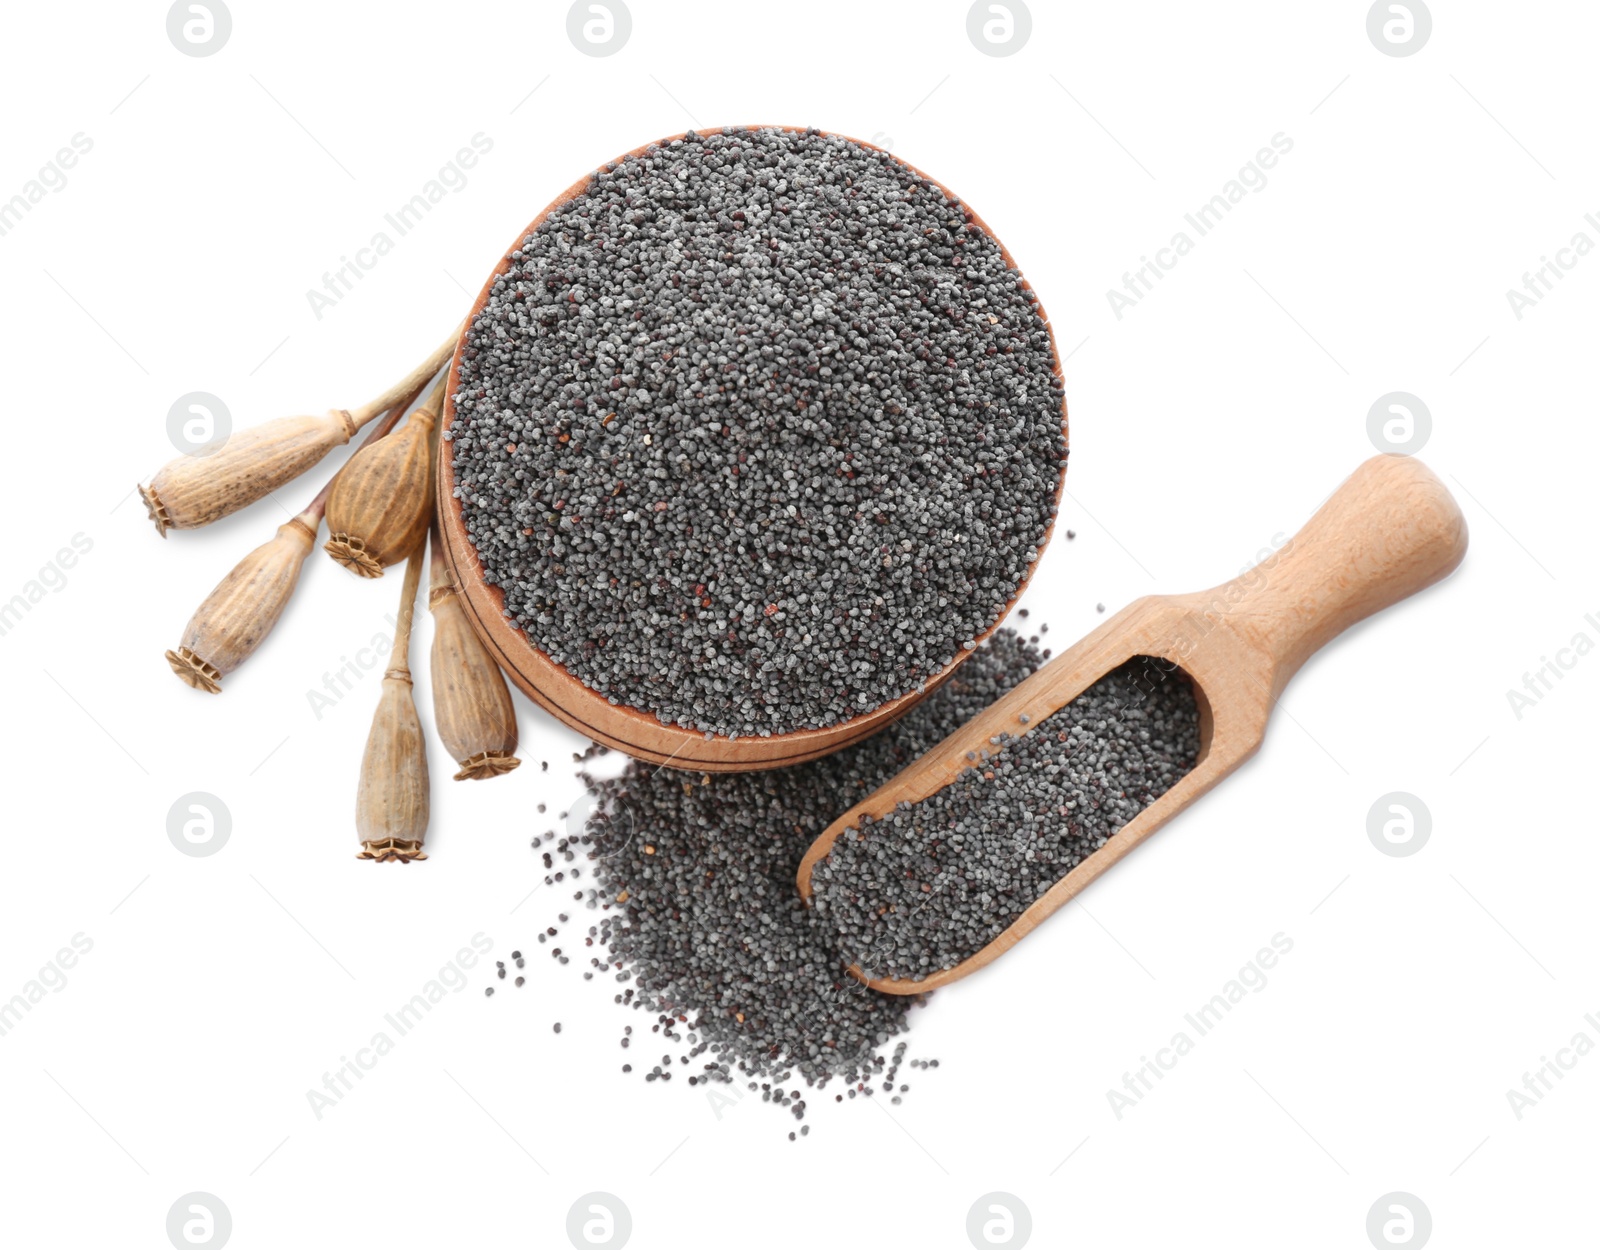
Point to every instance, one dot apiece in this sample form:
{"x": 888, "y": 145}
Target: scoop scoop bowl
{"x": 1390, "y": 530}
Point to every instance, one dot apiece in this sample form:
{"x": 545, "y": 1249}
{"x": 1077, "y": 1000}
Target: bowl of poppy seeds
{"x": 753, "y": 437}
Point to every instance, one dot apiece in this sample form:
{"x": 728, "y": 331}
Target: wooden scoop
{"x": 1390, "y": 530}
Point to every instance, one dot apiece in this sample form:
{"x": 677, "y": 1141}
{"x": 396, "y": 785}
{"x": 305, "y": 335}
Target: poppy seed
{"x": 932, "y": 883}
{"x": 787, "y": 430}
{"x": 713, "y": 937}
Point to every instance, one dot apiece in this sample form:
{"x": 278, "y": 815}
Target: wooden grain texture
{"x": 1389, "y": 531}
{"x": 639, "y": 733}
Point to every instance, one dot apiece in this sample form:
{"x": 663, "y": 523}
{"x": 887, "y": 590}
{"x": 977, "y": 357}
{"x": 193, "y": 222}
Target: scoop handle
{"x": 1391, "y": 529}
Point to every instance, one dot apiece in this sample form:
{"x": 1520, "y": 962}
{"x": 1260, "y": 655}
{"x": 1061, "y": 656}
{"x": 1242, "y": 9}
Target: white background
{"x": 1220, "y": 411}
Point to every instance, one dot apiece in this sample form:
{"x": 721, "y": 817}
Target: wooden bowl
{"x": 636, "y": 732}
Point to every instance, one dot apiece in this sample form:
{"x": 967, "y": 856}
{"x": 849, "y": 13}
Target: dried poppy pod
{"x": 472, "y": 707}
{"x": 392, "y": 798}
{"x": 196, "y": 490}
{"x": 192, "y": 491}
{"x": 381, "y": 505}
{"x": 235, "y": 617}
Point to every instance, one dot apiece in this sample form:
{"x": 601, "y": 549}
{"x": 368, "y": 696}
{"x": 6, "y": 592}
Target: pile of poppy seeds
{"x": 704, "y": 929}
{"x": 934, "y": 882}
{"x": 757, "y": 432}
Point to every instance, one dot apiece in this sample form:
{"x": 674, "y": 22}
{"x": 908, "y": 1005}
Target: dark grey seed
{"x": 757, "y": 432}
{"x": 932, "y": 883}
{"x": 712, "y": 932}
